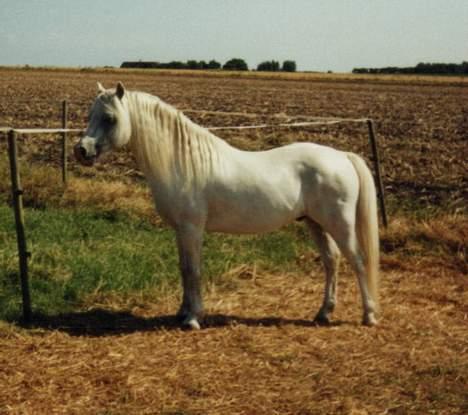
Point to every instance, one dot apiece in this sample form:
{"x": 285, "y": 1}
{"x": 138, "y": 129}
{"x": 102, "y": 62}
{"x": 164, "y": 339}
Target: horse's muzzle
{"x": 83, "y": 157}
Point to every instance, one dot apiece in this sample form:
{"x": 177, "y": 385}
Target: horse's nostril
{"x": 82, "y": 151}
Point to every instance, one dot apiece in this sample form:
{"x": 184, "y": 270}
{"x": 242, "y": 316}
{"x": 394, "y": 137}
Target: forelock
{"x": 106, "y": 101}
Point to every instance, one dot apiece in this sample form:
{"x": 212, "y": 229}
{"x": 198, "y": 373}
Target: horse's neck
{"x": 167, "y": 145}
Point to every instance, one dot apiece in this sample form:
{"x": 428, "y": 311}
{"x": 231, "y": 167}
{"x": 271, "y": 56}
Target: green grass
{"x": 76, "y": 253}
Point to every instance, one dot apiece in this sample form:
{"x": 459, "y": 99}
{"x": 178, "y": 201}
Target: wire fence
{"x": 309, "y": 121}
{"x": 17, "y": 191}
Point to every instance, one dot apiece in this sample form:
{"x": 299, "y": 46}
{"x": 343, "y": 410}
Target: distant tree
{"x": 464, "y": 66}
{"x": 175, "y": 65}
{"x": 420, "y": 68}
{"x": 191, "y": 64}
{"x": 139, "y": 64}
{"x": 212, "y": 64}
{"x": 236, "y": 64}
{"x": 269, "y": 66}
{"x": 289, "y": 66}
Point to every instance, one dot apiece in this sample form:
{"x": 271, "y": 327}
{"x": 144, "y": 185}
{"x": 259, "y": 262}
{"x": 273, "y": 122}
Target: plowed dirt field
{"x": 259, "y": 352}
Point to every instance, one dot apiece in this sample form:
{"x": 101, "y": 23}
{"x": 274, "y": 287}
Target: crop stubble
{"x": 259, "y": 354}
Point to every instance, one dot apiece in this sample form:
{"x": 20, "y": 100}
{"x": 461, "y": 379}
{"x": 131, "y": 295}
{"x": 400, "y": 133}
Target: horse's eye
{"x": 109, "y": 119}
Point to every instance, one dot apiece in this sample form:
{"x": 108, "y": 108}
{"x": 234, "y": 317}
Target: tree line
{"x": 420, "y": 68}
{"x": 190, "y": 64}
{"x": 234, "y": 64}
{"x": 274, "y": 66}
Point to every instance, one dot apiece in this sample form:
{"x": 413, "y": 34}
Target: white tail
{"x": 367, "y": 225}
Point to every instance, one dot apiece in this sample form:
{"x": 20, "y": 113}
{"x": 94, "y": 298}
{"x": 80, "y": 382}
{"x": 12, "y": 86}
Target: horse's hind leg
{"x": 189, "y": 243}
{"x": 347, "y": 241}
{"x": 330, "y": 255}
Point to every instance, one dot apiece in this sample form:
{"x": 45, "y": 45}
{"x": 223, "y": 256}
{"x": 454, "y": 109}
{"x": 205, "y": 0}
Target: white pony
{"x": 201, "y": 183}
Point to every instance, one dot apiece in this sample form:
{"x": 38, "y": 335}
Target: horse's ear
{"x": 120, "y": 90}
{"x": 100, "y": 88}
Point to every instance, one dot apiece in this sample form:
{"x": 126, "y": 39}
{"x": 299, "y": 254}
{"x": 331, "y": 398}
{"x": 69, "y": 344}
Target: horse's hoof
{"x": 321, "y": 320}
{"x": 182, "y": 313}
{"x": 191, "y": 323}
{"x": 369, "y": 320}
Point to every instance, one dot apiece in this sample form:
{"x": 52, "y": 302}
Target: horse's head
{"x": 108, "y": 125}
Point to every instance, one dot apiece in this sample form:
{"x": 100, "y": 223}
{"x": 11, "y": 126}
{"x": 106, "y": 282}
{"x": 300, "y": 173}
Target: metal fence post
{"x": 17, "y": 193}
{"x": 378, "y": 177}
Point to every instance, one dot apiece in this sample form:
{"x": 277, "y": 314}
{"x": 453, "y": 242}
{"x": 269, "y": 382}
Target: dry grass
{"x": 43, "y": 188}
{"x": 406, "y": 243}
{"x": 259, "y": 353}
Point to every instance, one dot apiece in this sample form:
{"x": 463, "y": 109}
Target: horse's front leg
{"x": 189, "y": 243}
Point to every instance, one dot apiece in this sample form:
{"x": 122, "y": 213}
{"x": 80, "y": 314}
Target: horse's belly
{"x": 254, "y": 212}
{"x": 253, "y": 224}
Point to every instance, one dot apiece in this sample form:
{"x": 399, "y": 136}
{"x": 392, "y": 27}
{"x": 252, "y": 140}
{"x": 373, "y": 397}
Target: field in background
{"x": 292, "y": 76}
{"x": 104, "y": 270}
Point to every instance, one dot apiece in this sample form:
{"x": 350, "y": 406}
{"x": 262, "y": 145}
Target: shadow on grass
{"x": 101, "y": 322}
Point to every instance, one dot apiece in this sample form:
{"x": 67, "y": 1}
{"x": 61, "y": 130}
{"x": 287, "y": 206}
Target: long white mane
{"x": 168, "y": 144}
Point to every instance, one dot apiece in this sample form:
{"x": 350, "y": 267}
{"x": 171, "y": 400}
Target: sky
{"x": 320, "y": 35}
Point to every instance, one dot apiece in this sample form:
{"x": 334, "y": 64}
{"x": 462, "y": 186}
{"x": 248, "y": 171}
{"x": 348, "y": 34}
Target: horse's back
{"x": 261, "y": 191}
{"x": 317, "y": 166}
